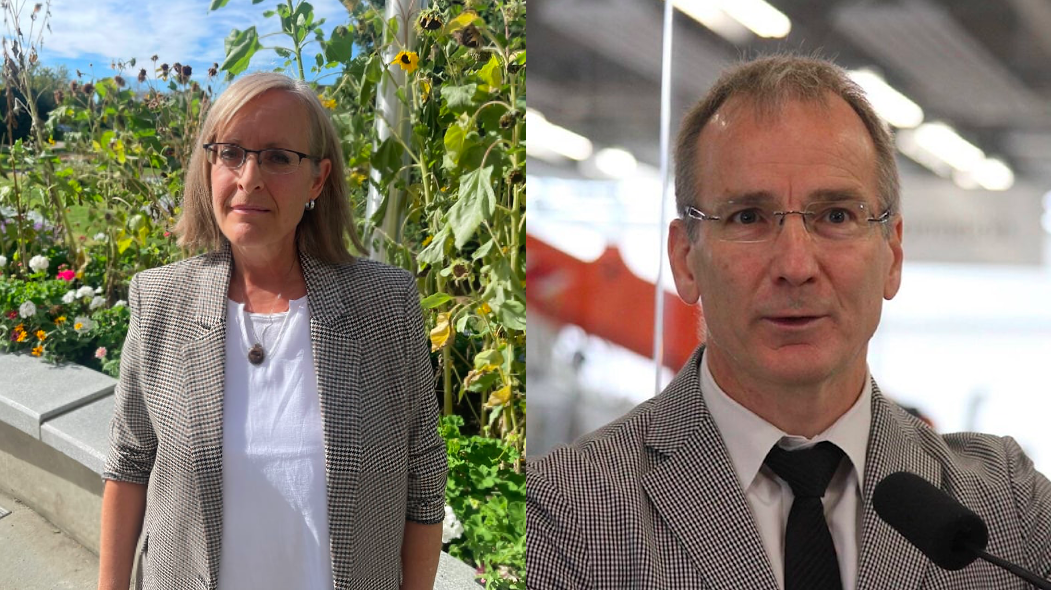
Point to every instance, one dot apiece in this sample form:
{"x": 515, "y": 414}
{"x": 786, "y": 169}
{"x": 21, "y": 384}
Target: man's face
{"x": 797, "y": 310}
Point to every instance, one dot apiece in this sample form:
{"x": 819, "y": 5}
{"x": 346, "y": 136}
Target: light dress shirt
{"x": 749, "y": 438}
{"x": 275, "y": 513}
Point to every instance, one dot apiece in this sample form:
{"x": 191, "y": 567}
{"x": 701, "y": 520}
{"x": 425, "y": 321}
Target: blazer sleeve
{"x": 556, "y": 555}
{"x": 427, "y": 455}
{"x": 133, "y": 442}
{"x": 1032, "y": 495}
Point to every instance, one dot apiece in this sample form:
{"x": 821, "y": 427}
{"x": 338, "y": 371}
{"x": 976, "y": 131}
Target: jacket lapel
{"x": 204, "y": 368}
{"x": 695, "y": 491}
{"x": 891, "y": 449}
{"x": 337, "y": 348}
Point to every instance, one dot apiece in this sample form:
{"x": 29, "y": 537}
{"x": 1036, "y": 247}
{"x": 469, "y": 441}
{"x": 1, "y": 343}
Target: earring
{"x": 310, "y": 205}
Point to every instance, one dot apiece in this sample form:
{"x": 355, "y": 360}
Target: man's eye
{"x": 837, "y": 215}
{"x": 745, "y": 216}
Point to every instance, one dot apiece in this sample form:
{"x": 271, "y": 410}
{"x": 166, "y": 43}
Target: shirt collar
{"x": 748, "y": 437}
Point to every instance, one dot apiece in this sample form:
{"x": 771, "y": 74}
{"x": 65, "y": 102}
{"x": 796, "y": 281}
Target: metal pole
{"x": 666, "y": 84}
{"x": 389, "y": 108}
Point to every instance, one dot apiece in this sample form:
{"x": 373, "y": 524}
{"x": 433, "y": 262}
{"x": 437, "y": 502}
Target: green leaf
{"x": 124, "y": 245}
{"x": 434, "y": 253}
{"x": 269, "y": 13}
{"x": 387, "y": 159}
{"x": 434, "y": 300}
{"x": 340, "y": 45}
{"x": 492, "y": 74}
{"x": 240, "y": 47}
{"x": 455, "y": 138}
{"x": 459, "y": 98}
{"x": 217, "y": 4}
{"x": 513, "y": 314}
{"x": 483, "y": 250}
{"x": 258, "y": 1}
{"x": 488, "y": 357}
{"x": 476, "y": 202}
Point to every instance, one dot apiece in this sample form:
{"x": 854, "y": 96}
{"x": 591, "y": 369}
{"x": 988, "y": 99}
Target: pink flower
{"x": 100, "y": 352}
{"x": 67, "y": 275}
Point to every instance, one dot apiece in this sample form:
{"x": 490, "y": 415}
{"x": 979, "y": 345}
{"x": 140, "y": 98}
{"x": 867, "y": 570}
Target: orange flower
{"x": 38, "y": 350}
{"x": 60, "y": 320}
{"x": 21, "y": 337}
{"x": 41, "y": 335}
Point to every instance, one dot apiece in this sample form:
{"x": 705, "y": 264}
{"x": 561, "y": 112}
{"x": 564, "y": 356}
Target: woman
{"x": 275, "y": 421}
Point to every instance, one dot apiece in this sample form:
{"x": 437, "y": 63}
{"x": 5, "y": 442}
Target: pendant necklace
{"x": 256, "y": 353}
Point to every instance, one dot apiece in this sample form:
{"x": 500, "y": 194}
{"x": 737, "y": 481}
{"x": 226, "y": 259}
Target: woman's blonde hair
{"x": 322, "y": 230}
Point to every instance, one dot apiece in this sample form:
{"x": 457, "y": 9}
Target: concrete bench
{"x": 54, "y": 428}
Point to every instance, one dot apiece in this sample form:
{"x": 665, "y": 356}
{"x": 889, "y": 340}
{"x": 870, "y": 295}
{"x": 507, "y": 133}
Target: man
{"x": 755, "y": 468}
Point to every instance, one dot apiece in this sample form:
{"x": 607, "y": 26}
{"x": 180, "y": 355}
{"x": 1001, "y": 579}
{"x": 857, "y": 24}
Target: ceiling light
{"x": 548, "y": 141}
{"x": 894, "y": 107}
{"x": 994, "y": 175}
{"x": 944, "y": 143}
{"x": 758, "y": 16}
{"x": 615, "y": 162}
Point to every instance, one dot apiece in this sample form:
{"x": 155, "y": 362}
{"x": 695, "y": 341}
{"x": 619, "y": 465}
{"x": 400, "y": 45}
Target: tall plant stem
{"x": 299, "y": 48}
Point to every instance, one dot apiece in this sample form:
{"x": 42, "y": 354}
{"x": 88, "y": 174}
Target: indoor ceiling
{"x": 981, "y": 66}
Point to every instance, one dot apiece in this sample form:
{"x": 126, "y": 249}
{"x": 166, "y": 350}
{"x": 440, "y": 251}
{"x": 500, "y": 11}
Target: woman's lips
{"x": 248, "y": 210}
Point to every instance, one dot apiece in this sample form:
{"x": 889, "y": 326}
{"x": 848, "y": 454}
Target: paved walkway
{"x": 37, "y": 556}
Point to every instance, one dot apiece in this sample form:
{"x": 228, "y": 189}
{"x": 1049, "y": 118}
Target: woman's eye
{"x": 279, "y": 157}
{"x": 230, "y": 154}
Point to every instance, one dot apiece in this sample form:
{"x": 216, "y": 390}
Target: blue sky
{"x": 90, "y": 34}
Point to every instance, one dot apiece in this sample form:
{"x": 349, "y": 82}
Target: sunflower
{"x": 407, "y": 60}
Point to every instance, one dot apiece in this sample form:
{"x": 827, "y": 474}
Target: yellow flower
{"x": 407, "y": 60}
{"x": 51, "y": 139}
{"x": 358, "y": 177}
{"x": 41, "y": 335}
{"x": 77, "y": 326}
{"x": 21, "y": 337}
{"x": 427, "y": 240}
{"x": 484, "y": 309}
{"x": 425, "y": 85}
{"x": 328, "y": 103}
{"x": 60, "y": 320}
{"x": 38, "y": 350}
{"x": 20, "y": 328}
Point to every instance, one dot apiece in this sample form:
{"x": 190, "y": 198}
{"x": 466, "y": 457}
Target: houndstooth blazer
{"x": 384, "y": 460}
{"x": 651, "y": 501}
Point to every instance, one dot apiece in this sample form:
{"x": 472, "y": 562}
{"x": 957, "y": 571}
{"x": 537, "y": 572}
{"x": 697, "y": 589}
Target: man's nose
{"x": 794, "y": 250}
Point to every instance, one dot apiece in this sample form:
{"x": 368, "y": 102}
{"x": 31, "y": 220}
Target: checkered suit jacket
{"x": 384, "y": 459}
{"x": 651, "y": 501}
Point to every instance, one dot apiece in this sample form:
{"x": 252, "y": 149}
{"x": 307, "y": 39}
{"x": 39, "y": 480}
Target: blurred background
{"x": 965, "y": 84}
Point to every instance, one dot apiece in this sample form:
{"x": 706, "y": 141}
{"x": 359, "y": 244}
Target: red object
{"x": 606, "y": 299}
{"x": 67, "y": 275}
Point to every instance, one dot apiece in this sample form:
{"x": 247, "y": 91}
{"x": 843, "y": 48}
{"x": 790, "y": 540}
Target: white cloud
{"x": 175, "y": 30}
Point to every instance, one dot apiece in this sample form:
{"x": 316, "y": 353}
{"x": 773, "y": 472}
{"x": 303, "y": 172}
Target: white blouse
{"x": 275, "y": 512}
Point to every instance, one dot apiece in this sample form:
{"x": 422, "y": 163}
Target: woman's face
{"x": 255, "y": 210}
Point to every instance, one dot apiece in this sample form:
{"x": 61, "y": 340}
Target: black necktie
{"x": 810, "y": 556}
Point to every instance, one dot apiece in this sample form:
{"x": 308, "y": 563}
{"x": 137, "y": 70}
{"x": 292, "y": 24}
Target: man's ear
{"x": 680, "y": 247}
{"x": 893, "y": 280}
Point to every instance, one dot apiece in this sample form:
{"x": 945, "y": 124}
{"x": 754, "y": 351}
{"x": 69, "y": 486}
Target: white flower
{"x": 39, "y": 263}
{"x": 83, "y": 324}
{"x": 69, "y": 297}
{"x": 98, "y": 290}
{"x": 3, "y": 261}
{"x": 119, "y": 303}
{"x": 100, "y": 237}
{"x": 97, "y": 302}
{"x": 27, "y": 309}
{"x": 452, "y": 528}
{"x": 85, "y": 291}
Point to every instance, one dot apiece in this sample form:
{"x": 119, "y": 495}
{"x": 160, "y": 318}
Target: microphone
{"x": 947, "y": 532}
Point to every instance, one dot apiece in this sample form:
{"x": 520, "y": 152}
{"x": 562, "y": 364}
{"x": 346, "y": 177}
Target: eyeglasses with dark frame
{"x": 748, "y": 222}
{"x": 271, "y": 160}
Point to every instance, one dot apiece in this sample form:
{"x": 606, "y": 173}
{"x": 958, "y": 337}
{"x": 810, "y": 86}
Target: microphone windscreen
{"x": 947, "y": 532}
